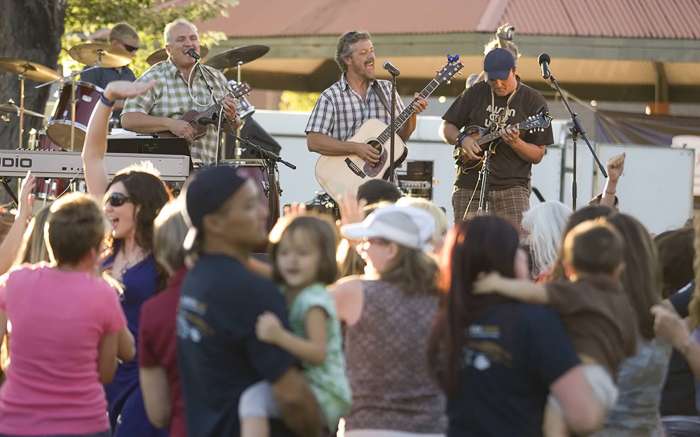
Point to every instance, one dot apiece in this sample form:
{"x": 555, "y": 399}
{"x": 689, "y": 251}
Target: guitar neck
{"x": 491, "y": 136}
{"x": 403, "y": 117}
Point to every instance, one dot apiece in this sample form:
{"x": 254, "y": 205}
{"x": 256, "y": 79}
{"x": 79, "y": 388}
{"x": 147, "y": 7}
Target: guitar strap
{"x": 382, "y": 98}
{"x": 380, "y": 94}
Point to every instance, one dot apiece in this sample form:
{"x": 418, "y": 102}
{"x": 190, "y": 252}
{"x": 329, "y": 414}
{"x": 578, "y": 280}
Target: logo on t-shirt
{"x": 482, "y": 348}
{"x": 497, "y": 118}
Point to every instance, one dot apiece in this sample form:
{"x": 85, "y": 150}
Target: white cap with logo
{"x": 405, "y": 225}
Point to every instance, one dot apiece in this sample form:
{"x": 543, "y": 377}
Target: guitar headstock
{"x": 537, "y": 122}
{"x": 450, "y": 69}
{"x": 239, "y": 89}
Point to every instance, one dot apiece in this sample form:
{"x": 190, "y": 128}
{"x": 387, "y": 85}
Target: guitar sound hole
{"x": 374, "y": 170}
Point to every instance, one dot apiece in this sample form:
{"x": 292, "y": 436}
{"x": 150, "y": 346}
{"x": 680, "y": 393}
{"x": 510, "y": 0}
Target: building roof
{"x": 662, "y": 19}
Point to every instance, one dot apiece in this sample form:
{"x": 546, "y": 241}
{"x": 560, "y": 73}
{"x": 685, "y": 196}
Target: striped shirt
{"x": 340, "y": 111}
{"x": 170, "y": 98}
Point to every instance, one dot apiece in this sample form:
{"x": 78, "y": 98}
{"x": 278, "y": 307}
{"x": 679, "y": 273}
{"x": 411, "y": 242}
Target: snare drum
{"x": 59, "y": 129}
{"x": 258, "y": 171}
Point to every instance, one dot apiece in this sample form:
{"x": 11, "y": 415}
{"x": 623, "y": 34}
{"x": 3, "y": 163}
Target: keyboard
{"x": 54, "y": 164}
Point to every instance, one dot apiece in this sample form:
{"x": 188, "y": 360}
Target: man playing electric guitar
{"x": 180, "y": 87}
{"x": 500, "y": 101}
{"x": 344, "y": 106}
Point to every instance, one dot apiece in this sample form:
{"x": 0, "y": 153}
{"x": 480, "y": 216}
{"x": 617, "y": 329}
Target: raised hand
{"x": 351, "y": 210}
{"x": 26, "y": 197}
{"x": 615, "y": 167}
{"x": 122, "y": 89}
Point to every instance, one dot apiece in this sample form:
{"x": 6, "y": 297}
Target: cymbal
{"x": 161, "y": 55}
{"x": 30, "y": 70}
{"x": 239, "y": 55}
{"x": 101, "y": 55}
{"x": 11, "y": 108}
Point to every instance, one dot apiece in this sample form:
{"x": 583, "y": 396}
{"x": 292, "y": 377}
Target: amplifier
{"x": 415, "y": 178}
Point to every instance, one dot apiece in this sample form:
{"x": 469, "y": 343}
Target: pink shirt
{"x": 58, "y": 319}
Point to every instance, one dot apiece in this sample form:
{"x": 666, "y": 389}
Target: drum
{"x": 264, "y": 177}
{"x": 45, "y": 144}
{"x": 323, "y": 203}
{"x": 50, "y": 189}
{"x": 59, "y": 129}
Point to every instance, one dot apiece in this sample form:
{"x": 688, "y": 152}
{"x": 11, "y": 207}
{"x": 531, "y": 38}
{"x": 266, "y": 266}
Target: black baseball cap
{"x": 498, "y": 63}
{"x": 206, "y": 192}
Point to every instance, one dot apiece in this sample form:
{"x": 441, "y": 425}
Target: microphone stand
{"x": 271, "y": 156}
{"x": 198, "y": 66}
{"x": 576, "y": 131}
{"x": 392, "y": 127}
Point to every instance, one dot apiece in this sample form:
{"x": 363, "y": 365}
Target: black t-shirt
{"x": 219, "y": 355}
{"x": 473, "y": 108}
{"x": 514, "y": 352}
{"x": 678, "y": 394}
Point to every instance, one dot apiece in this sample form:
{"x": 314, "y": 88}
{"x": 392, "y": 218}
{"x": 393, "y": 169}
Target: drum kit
{"x": 67, "y": 127}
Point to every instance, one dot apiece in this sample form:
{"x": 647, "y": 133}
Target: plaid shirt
{"x": 340, "y": 111}
{"x": 171, "y": 98}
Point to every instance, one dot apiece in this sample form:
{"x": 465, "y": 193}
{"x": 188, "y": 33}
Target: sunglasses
{"x": 117, "y": 199}
{"x": 378, "y": 241}
{"x": 130, "y": 49}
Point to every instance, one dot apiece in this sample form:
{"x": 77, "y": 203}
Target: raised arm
{"x": 518, "y": 289}
{"x": 13, "y": 240}
{"x": 329, "y": 146}
{"x": 669, "y": 326}
{"x": 95, "y": 145}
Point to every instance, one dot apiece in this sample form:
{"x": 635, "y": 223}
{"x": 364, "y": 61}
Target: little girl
{"x": 303, "y": 258}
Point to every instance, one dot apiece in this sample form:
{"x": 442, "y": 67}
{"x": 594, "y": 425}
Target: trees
{"x": 37, "y": 30}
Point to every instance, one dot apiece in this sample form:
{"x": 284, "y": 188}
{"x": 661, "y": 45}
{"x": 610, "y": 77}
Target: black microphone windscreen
{"x": 544, "y": 58}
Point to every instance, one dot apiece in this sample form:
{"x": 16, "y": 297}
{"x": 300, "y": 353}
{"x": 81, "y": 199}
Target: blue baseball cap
{"x": 206, "y": 192}
{"x": 498, "y": 63}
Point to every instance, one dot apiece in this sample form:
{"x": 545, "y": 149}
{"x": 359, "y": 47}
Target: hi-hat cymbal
{"x": 162, "y": 55}
{"x": 101, "y": 55}
{"x": 237, "y": 56}
{"x": 30, "y": 70}
{"x": 11, "y": 108}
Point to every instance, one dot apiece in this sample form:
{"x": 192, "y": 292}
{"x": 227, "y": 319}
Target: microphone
{"x": 544, "y": 61}
{"x": 193, "y": 53}
{"x": 388, "y": 66}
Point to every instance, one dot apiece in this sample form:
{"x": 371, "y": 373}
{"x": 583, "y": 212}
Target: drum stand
{"x": 21, "y": 111}
{"x": 237, "y": 144}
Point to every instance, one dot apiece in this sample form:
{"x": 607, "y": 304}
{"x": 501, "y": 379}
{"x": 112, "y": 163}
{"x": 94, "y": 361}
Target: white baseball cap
{"x": 405, "y": 225}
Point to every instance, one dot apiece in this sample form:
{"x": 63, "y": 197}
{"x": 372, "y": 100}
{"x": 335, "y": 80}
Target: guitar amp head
{"x": 415, "y": 178}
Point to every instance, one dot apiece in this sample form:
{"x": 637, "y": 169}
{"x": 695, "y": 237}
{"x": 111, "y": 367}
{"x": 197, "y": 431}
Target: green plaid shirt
{"x": 171, "y": 98}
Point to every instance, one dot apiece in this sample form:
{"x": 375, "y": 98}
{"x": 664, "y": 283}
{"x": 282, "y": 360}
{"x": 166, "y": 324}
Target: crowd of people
{"x": 125, "y": 311}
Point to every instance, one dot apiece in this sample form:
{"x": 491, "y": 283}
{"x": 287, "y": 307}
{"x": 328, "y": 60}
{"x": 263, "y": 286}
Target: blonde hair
{"x": 169, "y": 27}
{"x": 122, "y": 31}
{"x": 169, "y": 230}
{"x": 33, "y": 249}
{"x": 435, "y": 211}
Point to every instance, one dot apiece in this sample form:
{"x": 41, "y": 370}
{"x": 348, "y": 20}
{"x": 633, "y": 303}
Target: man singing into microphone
{"x": 500, "y": 101}
{"x": 180, "y": 87}
{"x": 355, "y": 98}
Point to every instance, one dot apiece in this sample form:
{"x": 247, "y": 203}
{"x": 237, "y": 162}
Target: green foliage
{"x": 148, "y": 17}
{"x": 297, "y": 101}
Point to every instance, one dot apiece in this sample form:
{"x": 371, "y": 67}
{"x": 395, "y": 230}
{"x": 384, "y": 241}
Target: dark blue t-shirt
{"x": 513, "y": 353}
{"x": 219, "y": 355}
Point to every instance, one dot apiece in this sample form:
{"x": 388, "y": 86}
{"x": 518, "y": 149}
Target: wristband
{"x": 105, "y": 101}
{"x": 460, "y": 137}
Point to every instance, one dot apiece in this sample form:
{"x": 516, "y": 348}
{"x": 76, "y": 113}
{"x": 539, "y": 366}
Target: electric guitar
{"x": 483, "y": 138}
{"x": 199, "y": 120}
{"x": 339, "y": 175}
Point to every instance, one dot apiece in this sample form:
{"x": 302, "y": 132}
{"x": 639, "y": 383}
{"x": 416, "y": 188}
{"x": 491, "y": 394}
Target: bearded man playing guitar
{"x": 500, "y": 101}
{"x": 357, "y": 97}
{"x": 180, "y": 87}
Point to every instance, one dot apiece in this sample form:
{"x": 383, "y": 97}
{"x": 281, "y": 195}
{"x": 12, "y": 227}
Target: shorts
{"x": 601, "y": 383}
{"x": 258, "y": 401}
